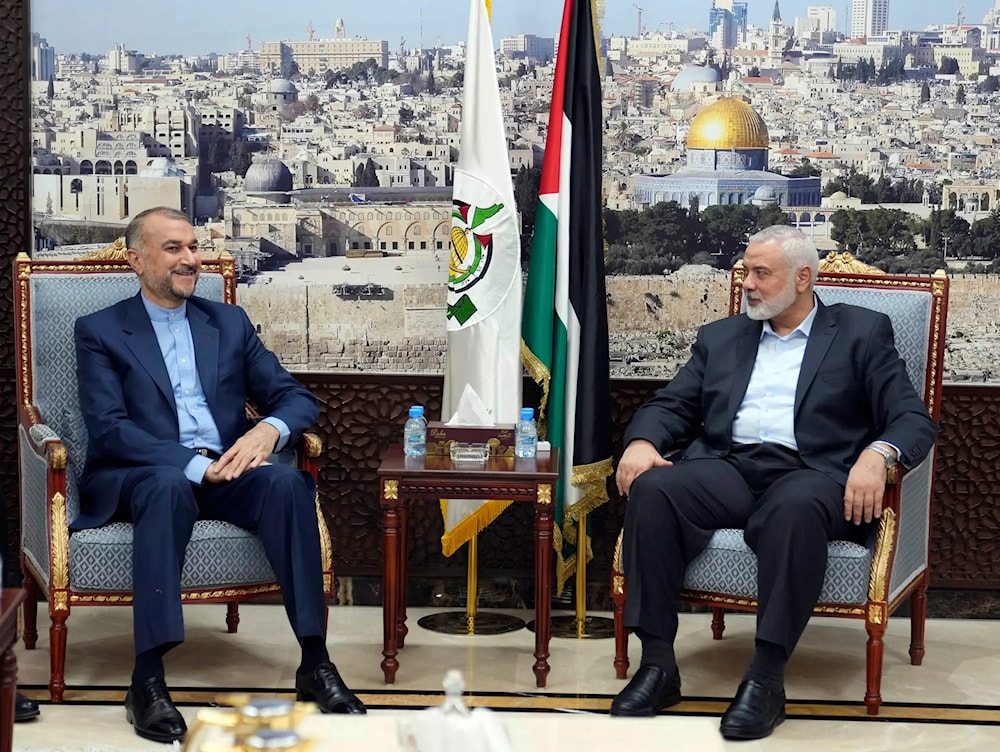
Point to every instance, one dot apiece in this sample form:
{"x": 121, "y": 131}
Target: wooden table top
{"x": 543, "y": 466}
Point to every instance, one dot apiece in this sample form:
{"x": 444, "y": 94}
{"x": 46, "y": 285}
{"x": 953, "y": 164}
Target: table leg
{"x": 390, "y": 575}
{"x": 8, "y": 685}
{"x": 543, "y": 582}
{"x": 404, "y": 527}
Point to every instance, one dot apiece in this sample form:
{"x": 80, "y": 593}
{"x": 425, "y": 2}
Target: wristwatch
{"x": 887, "y": 454}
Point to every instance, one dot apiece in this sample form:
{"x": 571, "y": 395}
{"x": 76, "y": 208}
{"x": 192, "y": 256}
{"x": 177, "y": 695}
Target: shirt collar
{"x": 159, "y": 313}
{"x": 805, "y": 327}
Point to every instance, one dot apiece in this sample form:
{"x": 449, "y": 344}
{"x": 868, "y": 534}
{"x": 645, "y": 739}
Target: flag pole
{"x": 579, "y": 625}
{"x": 470, "y": 621}
{"x": 472, "y": 585}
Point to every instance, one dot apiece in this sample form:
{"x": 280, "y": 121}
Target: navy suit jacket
{"x": 128, "y": 402}
{"x": 852, "y": 389}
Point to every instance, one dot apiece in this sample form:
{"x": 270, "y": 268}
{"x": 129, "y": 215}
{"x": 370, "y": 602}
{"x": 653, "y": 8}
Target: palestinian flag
{"x": 565, "y": 320}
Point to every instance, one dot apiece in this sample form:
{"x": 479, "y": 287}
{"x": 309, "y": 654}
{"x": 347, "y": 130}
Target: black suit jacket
{"x": 852, "y": 389}
{"x": 128, "y": 402}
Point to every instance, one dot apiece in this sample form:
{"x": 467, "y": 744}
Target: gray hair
{"x": 797, "y": 250}
{"x": 133, "y": 233}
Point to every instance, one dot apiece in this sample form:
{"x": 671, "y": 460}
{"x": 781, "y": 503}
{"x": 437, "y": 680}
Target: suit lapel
{"x": 824, "y": 329}
{"x": 141, "y": 340}
{"x": 205, "y": 336}
{"x": 745, "y": 355}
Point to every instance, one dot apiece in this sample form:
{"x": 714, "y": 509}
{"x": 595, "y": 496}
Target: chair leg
{"x": 718, "y": 622}
{"x": 30, "y": 611}
{"x": 875, "y": 652}
{"x": 918, "y": 620}
{"x": 621, "y": 638}
{"x": 232, "y": 616}
{"x": 57, "y": 655}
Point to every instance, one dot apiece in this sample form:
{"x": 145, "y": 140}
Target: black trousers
{"x": 275, "y": 501}
{"x": 788, "y": 512}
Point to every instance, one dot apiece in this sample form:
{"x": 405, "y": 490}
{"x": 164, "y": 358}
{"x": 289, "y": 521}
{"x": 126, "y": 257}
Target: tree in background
{"x": 405, "y": 115}
{"x": 526, "y": 183}
{"x": 805, "y": 169}
{"x": 367, "y": 175}
{"x": 949, "y": 65}
{"x": 239, "y": 157}
{"x": 989, "y": 85}
{"x": 925, "y": 92}
{"x": 50, "y": 90}
{"x": 960, "y": 95}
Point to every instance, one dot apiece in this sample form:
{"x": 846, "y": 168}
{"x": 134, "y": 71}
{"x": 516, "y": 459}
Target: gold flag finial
{"x": 489, "y": 10}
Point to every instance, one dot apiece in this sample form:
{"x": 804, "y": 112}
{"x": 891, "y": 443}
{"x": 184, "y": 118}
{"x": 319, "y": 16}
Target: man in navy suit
{"x": 792, "y": 414}
{"x": 164, "y": 378}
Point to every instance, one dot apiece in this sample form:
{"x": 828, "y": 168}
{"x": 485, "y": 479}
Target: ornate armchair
{"x": 862, "y": 582}
{"x": 224, "y": 563}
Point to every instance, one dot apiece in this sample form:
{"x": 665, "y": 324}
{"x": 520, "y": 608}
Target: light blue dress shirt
{"x": 196, "y": 425}
{"x": 767, "y": 413}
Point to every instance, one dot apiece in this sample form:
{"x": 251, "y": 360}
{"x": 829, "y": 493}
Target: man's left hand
{"x": 865, "y": 489}
{"x": 251, "y": 450}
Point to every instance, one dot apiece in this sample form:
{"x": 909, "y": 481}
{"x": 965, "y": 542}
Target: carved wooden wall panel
{"x": 965, "y": 538}
{"x": 15, "y": 223}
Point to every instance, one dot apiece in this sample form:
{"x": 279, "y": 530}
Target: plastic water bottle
{"x": 415, "y": 433}
{"x": 526, "y": 434}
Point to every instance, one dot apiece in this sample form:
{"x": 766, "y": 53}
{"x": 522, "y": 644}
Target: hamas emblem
{"x": 485, "y": 251}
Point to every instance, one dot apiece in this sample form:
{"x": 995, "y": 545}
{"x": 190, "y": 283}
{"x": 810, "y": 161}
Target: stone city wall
{"x": 652, "y": 322}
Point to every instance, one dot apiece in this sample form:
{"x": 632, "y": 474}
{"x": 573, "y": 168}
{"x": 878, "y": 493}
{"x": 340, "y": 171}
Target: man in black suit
{"x": 164, "y": 379}
{"x": 792, "y": 414}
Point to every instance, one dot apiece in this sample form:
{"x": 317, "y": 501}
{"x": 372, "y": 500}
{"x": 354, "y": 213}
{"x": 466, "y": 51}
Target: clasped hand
{"x": 251, "y": 450}
{"x": 639, "y": 456}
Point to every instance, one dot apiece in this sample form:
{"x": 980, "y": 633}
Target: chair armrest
{"x": 44, "y": 516}
{"x": 308, "y": 450}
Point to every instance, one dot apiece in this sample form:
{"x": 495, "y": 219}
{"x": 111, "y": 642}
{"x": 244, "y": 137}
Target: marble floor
{"x": 951, "y": 702}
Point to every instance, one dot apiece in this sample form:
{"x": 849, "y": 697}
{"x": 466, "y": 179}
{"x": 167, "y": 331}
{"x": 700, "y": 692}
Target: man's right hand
{"x": 639, "y": 456}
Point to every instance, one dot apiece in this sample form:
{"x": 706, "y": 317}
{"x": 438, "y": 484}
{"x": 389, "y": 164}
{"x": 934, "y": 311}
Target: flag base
{"x": 460, "y": 623}
{"x": 591, "y": 628}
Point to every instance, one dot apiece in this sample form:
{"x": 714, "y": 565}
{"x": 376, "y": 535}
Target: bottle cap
{"x": 417, "y": 411}
{"x": 527, "y": 413}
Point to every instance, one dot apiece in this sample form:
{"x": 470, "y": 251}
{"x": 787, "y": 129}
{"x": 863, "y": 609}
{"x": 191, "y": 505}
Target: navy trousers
{"x": 788, "y": 513}
{"x": 275, "y": 501}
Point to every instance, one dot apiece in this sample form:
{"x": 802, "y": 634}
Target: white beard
{"x": 768, "y": 309}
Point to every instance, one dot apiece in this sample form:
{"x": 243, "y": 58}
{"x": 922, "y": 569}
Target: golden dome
{"x": 728, "y": 124}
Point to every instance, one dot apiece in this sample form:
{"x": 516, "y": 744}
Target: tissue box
{"x": 500, "y": 438}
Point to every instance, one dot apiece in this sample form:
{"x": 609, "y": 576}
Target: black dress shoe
{"x": 150, "y": 710}
{"x": 754, "y": 712}
{"x": 25, "y": 708}
{"x": 324, "y": 686}
{"x": 650, "y": 690}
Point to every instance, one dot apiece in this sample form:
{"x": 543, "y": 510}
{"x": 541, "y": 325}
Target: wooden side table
{"x": 10, "y": 601}
{"x": 403, "y": 480}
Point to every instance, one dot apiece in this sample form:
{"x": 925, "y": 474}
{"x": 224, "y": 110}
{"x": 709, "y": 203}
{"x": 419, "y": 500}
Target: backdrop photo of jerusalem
{"x": 317, "y": 147}
{"x": 324, "y": 165}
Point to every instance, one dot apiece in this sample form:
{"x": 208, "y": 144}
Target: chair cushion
{"x": 728, "y": 566}
{"x": 218, "y": 555}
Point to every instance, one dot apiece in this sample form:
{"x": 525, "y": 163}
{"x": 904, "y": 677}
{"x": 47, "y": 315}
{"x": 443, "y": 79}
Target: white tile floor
{"x": 952, "y": 701}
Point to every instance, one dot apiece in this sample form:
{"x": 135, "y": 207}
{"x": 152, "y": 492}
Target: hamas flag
{"x": 484, "y": 271}
{"x": 565, "y": 320}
